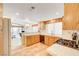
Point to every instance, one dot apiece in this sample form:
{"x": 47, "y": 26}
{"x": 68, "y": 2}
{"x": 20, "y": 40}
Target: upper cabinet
{"x": 71, "y": 16}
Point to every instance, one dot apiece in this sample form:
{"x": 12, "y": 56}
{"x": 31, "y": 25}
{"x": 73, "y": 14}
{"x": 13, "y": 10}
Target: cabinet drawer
{"x": 46, "y": 40}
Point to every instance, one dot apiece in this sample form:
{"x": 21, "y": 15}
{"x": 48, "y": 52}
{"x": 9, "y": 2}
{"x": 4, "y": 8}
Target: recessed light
{"x": 57, "y": 13}
{"x": 17, "y": 14}
{"x": 27, "y": 24}
{"x": 27, "y": 20}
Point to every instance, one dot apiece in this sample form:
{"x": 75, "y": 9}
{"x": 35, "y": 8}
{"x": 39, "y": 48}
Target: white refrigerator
{"x": 5, "y": 26}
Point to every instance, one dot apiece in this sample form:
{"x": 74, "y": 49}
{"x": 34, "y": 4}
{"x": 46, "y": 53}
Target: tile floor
{"x": 37, "y": 49}
{"x": 15, "y": 42}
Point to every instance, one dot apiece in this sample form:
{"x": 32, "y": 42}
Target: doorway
{"x": 16, "y": 37}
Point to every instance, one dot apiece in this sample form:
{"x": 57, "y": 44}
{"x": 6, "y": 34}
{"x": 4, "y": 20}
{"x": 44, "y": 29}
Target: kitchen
{"x": 47, "y": 29}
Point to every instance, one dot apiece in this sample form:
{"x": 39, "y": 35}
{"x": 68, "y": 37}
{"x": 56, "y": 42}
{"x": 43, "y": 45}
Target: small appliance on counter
{"x": 75, "y": 37}
{"x": 67, "y": 43}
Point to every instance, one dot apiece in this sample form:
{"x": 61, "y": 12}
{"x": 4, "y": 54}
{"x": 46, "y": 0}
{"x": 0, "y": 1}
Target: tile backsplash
{"x": 67, "y": 34}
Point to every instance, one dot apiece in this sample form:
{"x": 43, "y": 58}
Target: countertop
{"x": 66, "y": 34}
{"x": 28, "y": 34}
{"x": 60, "y": 50}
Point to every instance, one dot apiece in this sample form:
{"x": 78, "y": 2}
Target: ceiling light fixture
{"x": 57, "y": 13}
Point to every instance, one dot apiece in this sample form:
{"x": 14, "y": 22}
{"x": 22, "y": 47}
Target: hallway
{"x": 16, "y": 39}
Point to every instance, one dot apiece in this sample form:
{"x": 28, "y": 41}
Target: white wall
{"x": 32, "y": 29}
{"x": 67, "y": 34}
{"x": 54, "y": 28}
{"x": 58, "y": 28}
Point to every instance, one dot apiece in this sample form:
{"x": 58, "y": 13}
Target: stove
{"x": 68, "y": 43}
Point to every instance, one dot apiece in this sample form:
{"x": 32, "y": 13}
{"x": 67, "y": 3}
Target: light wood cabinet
{"x": 1, "y": 44}
{"x": 49, "y": 40}
{"x": 23, "y": 39}
{"x": 30, "y": 40}
{"x": 71, "y": 16}
{"x": 36, "y": 39}
{"x": 1, "y": 32}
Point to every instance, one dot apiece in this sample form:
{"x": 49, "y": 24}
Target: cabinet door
{"x": 37, "y": 38}
{"x": 1, "y": 33}
{"x": 23, "y": 40}
{"x": 1, "y": 44}
{"x": 71, "y": 16}
{"x": 28, "y": 40}
{"x": 1, "y": 37}
{"x": 32, "y": 40}
{"x": 49, "y": 40}
{"x": 46, "y": 40}
{"x": 53, "y": 40}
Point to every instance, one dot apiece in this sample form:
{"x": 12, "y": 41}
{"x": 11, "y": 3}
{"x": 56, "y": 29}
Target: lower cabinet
{"x": 49, "y": 40}
{"x": 45, "y": 39}
{"x": 30, "y": 40}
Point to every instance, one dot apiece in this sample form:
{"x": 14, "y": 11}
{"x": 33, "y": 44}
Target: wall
{"x": 52, "y": 26}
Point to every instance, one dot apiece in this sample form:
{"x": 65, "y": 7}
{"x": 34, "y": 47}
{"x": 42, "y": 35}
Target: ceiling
{"x": 22, "y": 13}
